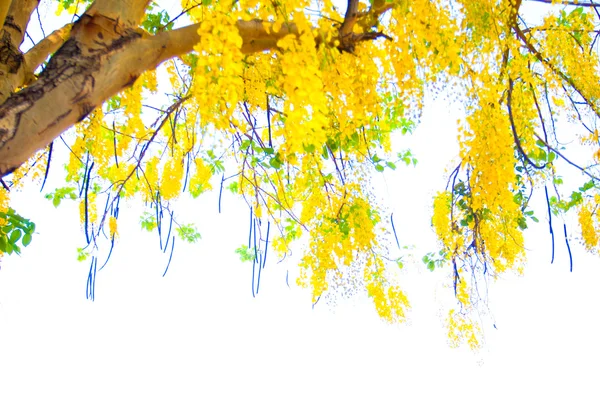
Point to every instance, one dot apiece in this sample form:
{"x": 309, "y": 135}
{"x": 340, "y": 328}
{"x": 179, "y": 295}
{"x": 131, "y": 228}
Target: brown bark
{"x": 4, "y": 6}
{"x": 128, "y": 12}
{"x": 12, "y": 74}
{"x": 40, "y": 52}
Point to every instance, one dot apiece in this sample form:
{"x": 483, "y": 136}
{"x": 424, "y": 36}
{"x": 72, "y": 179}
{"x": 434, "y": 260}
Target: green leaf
{"x": 26, "y": 239}
{"x": 275, "y": 163}
{"x": 379, "y": 168}
{"x": 309, "y": 148}
{"x": 431, "y": 266}
{"x": 391, "y": 165}
{"x": 245, "y": 144}
{"x": 15, "y": 236}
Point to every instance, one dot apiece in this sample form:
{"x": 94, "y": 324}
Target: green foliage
{"x": 14, "y": 229}
{"x": 157, "y": 21}
{"x": 435, "y": 260}
{"x": 292, "y": 230}
{"x": 407, "y": 158}
{"x": 82, "y": 255}
{"x": 189, "y": 233}
{"x": 262, "y": 156}
{"x": 215, "y": 163}
{"x": 558, "y": 206}
{"x": 404, "y": 156}
{"x": 233, "y": 187}
{"x": 60, "y": 194}
{"x": 245, "y": 253}
{"x": 148, "y": 221}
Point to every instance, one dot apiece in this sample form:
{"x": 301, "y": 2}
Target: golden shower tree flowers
{"x": 294, "y": 105}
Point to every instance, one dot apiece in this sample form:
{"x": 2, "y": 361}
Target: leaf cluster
{"x": 14, "y": 230}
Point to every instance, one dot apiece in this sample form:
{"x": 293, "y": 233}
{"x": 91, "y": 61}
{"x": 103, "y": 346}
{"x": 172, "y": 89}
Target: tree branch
{"x": 17, "y": 19}
{"x": 255, "y": 38}
{"x": 4, "y": 6}
{"x": 350, "y": 18}
{"x": 128, "y": 12}
{"x": 40, "y": 52}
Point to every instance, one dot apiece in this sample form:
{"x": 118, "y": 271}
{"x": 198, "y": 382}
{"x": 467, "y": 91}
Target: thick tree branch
{"x": 11, "y": 36}
{"x": 350, "y": 18}
{"x": 368, "y": 21}
{"x": 4, "y": 6}
{"x": 17, "y": 19}
{"x": 255, "y": 38}
{"x": 128, "y": 12}
{"x": 40, "y": 52}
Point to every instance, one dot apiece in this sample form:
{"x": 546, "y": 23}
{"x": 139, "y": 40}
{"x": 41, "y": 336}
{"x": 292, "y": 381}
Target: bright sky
{"x": 199, "y": 333}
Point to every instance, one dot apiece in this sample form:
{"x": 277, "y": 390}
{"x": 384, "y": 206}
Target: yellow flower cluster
{"x": 487, "y": 148}
{"x": 112, "y": 226}
{"x": 588, "y": 220}
{"x": 200, "y": 182}
{"x": 461, "y": 329}
{"x": 441, "y": 222}
{"x": 305, "y": 106}
{"x": 171, "y": 179}
{"x": 92, "y": 213}
{"x": 390, "y": 301}
{"x": 218, "y": 81}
